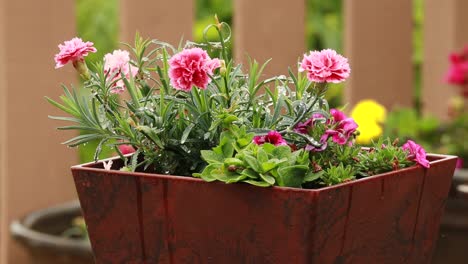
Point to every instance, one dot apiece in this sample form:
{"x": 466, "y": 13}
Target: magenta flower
{"x": 273, "y": 137}
{"x": 325, "y": 66}
{"x": 118, "y": 63}
{"x": 342, "y": 128}
{"x": 416, "y": 153}
{"x": 458, "y": 71}
{"x": 303, "y": 127}
{"x": 73, "y": 50}
{"x": 191, "y": 67}
{"x": 126, "y": 149}
{"x": 459, "y": 163}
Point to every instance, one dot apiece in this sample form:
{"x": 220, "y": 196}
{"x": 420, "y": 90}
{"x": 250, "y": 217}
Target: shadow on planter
{"x": 40, "y": 232}
{"x": 453, "y": 239}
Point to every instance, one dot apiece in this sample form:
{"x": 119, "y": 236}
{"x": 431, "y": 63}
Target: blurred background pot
{"x": 453, "y": 239}
{"x": 46, "y": 234}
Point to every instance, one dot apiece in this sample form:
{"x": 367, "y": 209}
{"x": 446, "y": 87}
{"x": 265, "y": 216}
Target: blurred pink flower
{"x": 73, "y": 50}
{"x": 342, "y": 127}
{"x": 115, "y": 64}
{"x": 272, "y": 137}
{"x": 325, "y": 66}
{"x": 459, "y": 163}
{"x": 416, "y": 153}
{"x": 191, "y": 67}
{"x": 126, "y": 149}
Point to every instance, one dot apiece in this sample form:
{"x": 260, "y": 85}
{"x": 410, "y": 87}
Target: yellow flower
{"x": 369, "y": 115}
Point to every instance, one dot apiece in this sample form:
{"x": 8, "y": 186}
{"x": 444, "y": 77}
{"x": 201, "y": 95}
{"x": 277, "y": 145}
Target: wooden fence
{"x": 34, "y": 167}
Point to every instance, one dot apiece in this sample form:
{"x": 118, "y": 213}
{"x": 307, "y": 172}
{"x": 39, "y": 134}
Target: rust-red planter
{"x": 147, "y": 218}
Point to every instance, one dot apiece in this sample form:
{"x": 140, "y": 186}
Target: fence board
{"x": 444, "y": 32}
{"x": 378, "y": 43}
{"x": 168, "y": 21}
{"x": 35, "y": 167}
{"x": 270, "y": 29}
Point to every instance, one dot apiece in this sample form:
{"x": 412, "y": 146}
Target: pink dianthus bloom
{"x": 416, "y": 153}
{"x": 191, "y": 67}
{"x": 325, "y": 66}
{"x": 73, "y": 50}
{"x": 273, "y": 137}
{"x": 115, "y": 64}
{"x": 342, "y": 128}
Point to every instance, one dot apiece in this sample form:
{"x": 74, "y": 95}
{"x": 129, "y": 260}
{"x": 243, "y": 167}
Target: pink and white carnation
{"x": 73, "y": 50}
{"x": 325, "y": 66}
{"x": 191, "y": 67}
{"x": 416, "y": 153}
{"x": 115, "y": 64}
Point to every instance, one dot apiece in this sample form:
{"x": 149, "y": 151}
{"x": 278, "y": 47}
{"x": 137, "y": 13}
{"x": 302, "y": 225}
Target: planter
{"x": 147, "y": 218}
{"x": 40, "y": 233}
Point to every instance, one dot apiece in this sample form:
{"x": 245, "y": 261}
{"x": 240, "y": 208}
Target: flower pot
{"x": 40, "y": 232}
{"x": 147, "y": 218}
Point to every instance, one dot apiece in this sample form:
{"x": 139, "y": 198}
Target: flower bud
{"x": 222, "y": 68}
{"x": 80, "y": 66}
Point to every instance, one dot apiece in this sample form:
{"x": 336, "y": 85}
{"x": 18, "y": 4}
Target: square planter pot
{"x": 148, "y": 218}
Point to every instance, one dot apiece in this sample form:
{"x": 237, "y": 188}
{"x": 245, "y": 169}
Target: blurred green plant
{"x": 97, "y": 20}
{"x": 407, "y": 123}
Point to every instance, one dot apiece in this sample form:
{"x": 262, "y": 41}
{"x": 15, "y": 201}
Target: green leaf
{"x": 270, "y": 180}
{"x": 207, "y": 173}
{"x": 262, "y": 156}
{"x": 311, "y": 176}
{"x": 251, "y": 173}
{"x": 186, "y": 133}
{"x": 211, "y": 157}
{"x": 269, "y": 148}
{"x": 281, "y": 152}
{"x": 252, "y": 162}
{"x": 269, "y": 165}
{"x": 258, "y": 183}
{"x": 242, "y": 142}
{"x": 234, "y": 161}
{"x": 292, "y": 176}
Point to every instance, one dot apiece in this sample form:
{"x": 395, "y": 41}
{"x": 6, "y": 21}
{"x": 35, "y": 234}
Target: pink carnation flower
{"x": 325, "y": 66}
{"x": 73, "y": 50}
{"x": 273, "y": 137}
{"x": 191, "y": 67}
{"x": 416, "y": 153}
{"x": 342, "y": 127}
{"x": 115, "y": 64}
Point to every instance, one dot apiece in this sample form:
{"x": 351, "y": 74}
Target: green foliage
{"x": 262, "y": 165}
{"x": 383, "y": 157}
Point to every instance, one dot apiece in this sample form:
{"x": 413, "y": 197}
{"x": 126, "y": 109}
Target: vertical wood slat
{"x": 444, "y": 32}
{"x": 3, "y": 151}
{"x": 35, "y": 169}
{"x": 270, "y": 29}
{"x": 378, "y": 43}
{"x": 169, "y": 21}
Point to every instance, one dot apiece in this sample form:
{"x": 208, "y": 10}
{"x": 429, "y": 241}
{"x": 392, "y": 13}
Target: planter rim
{"x": 21, "y": 230}
{"x": 434, "y": 159}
